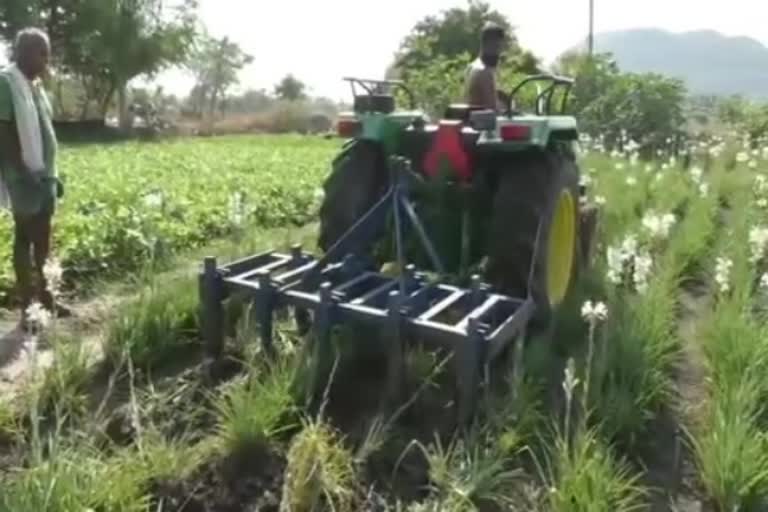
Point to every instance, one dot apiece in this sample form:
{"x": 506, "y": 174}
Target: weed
{"x": 320, "y": 470}
{"x": 585, "y": 477}
{"x": 254, "y": 408}
{"x": 155, "y": 326}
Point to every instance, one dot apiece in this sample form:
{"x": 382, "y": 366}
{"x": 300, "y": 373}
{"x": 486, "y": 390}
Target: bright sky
{"x": 321, "y": 41}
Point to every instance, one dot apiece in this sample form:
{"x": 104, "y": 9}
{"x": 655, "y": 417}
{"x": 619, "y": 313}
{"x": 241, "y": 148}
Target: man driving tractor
{"x": 481, "y": 74}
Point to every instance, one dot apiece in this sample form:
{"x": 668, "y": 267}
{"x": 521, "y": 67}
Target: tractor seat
{"x": 382, "y": 103}
{"x": 461, "y": 112}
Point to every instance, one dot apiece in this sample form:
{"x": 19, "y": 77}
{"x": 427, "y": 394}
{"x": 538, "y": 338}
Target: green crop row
{"x": 126, "y": 203}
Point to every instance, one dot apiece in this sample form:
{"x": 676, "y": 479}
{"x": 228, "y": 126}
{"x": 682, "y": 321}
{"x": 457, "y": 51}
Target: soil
{"x": 665, "y": 452}
{"x": 249, "y": 482}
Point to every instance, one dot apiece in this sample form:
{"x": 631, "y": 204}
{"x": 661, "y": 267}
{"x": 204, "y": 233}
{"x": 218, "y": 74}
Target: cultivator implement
{"x": 342, "y": 287}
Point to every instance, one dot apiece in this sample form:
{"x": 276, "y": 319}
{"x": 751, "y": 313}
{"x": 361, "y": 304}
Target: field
{"x": 660, "y": 404}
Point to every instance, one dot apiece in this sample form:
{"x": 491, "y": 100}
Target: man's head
{"x": 31, "y": 51}
{"x": 492, "y": 40}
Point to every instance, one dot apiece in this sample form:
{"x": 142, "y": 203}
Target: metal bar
{"x": 364, "y": 231}
{"x": 426, "y": 242}
{"x": 293, "y": 274}
{"x": 479, "y": 312}
{"x": 374, "y": 293}
{"x": 265, "y": 301}
{"x": 245, "y": 264}
{"x": 470, "y": 356}
{"x": 270, "y": 267}
{"x": 320, "y": 368}
{"x": 442, "y": 305}
{"x": 510, "y": 328}
{"x": 398, "y": 235}
{"x": 395, "y": 350}
{"x": 342, "y": 288}
{"x": 212, "y": 314}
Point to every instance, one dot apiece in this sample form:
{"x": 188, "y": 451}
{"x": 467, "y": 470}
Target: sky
{"x": 320, "y": 41}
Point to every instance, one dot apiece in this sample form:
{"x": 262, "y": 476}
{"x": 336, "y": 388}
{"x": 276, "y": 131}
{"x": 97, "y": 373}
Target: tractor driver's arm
{"x": 481, "y": 89}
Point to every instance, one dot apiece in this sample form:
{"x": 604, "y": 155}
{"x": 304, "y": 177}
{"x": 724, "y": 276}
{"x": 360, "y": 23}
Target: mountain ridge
{"x": 709, "y": 62}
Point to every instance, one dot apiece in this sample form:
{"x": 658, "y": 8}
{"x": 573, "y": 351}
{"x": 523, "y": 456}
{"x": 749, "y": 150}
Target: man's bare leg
{"x": 41, "y": 243}
{"x": 22, "y": 260}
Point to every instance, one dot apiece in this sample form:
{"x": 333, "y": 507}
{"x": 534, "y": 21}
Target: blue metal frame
{"x": 340, "y": 288}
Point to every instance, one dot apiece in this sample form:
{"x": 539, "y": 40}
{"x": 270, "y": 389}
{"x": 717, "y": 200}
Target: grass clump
{"x": 468, "y": 473}
{"x": 730, "y": 445}
{"x": 255, "y": 408}
{"x": 320, "y": 470}
{"x": 586, "y": 477}
{"x": 156, "y": 325}
{"x": 73, "y": 478}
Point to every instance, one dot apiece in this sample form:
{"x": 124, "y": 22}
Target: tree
{"x": 108, "y": 43}
{"x": 290, "y": 89}
{"x": 453, "y": 34}
{"x": 216, "y": 64}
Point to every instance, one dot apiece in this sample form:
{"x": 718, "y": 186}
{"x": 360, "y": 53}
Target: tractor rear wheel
{"x": 357, "y": 181}
{"x": 538, "y": 189}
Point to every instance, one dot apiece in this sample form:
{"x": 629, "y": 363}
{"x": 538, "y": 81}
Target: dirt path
{"x": 670, "y": 465}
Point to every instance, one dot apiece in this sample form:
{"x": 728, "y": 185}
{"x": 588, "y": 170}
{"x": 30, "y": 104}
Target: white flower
{"x": 631, "y": 181}
{"x": 600, "y": 200}
{"x": 629, "y": 246}
{"x": 643, "y": 266}
{"x": 38, "y": 316}
{"x": 723, "y": 273}
{"x": 752, "y": 164}
{"x": 648, "y": 168}
{"x": 615, "y": 259}
{"x": 658, "y": 226}
{"x": 619, "y": 257}
{"x": 594, "y": 312}
{"x": 585, "y": 180}
{"x": 742, "y": 157}
{"x": 761, "y": 183}
{"x": 696, "y": 173}
{"x": 570, "y": 382}
{"x": 758, "y": 242}
{"x": 618, "y": 166}
{"x": 764, "y": 281}
{"x": 704, "y": 190}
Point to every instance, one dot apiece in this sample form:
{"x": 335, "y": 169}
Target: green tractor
{"x": 482, "y": 213}
{"x": 502, "y": 191}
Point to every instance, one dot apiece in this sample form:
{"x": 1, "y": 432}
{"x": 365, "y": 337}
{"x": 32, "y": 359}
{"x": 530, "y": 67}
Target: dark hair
{"x": 492, "y": 31}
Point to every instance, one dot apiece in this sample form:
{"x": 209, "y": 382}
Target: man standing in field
{"x": 27, "y": 164}
{"x": 481, "y": 74}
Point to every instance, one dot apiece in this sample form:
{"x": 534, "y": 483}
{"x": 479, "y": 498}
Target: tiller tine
{"x": 476, "y": 324}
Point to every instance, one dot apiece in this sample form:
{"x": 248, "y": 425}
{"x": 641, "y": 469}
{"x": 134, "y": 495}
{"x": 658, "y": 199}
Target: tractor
{"x": 465, "y": 234}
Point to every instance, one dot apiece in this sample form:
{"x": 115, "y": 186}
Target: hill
{"x": 709, "y": 62}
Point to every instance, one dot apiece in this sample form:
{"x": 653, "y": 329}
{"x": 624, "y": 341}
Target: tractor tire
{"x": 529, "y": 193}
{"x": 357, "y": 181}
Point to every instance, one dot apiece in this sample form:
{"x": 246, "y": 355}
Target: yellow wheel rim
{"x": 562, "y": 237}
